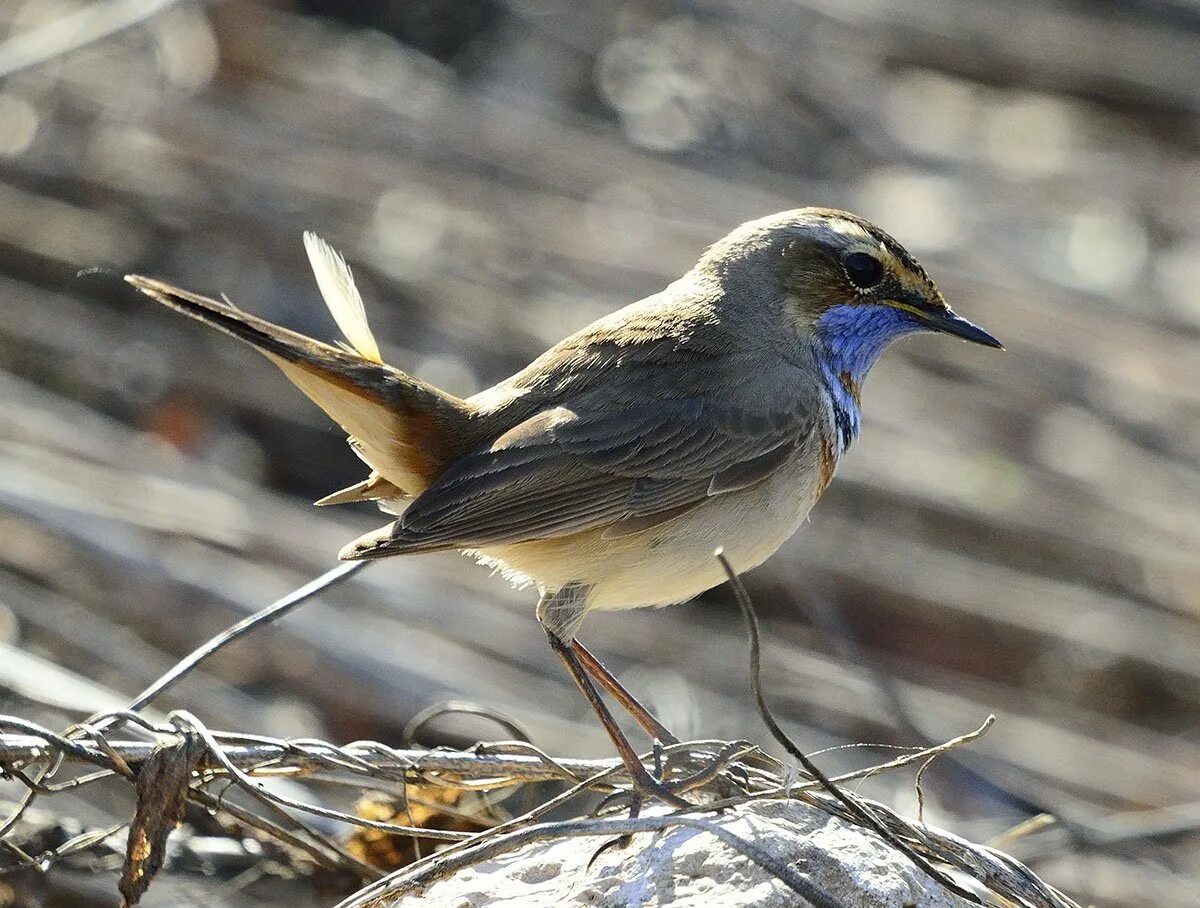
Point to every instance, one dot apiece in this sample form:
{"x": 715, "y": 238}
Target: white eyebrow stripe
{"x": 849, "y": 228}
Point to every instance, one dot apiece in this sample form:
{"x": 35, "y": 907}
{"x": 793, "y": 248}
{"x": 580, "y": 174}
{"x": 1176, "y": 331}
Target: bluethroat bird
{"x": 606, "y": 472}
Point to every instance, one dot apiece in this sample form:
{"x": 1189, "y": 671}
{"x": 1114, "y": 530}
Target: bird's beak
{"x": 949, "y": 322}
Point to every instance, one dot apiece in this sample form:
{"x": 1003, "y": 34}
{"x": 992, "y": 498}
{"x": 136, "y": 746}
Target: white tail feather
{"x": 341, "y": 296}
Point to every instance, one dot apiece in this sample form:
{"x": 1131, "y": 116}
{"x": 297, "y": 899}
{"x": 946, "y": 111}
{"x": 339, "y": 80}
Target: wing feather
{"x": 566, "y": 470}
{"x": 341, "y": 295}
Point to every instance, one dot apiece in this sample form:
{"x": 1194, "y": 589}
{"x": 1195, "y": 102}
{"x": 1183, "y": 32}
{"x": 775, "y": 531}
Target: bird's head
{"x": 840, "y": 280}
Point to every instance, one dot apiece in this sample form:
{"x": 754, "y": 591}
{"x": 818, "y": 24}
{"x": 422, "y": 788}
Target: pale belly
{"x": 674, "y": 561}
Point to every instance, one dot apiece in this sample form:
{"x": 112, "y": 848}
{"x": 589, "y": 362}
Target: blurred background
{"x": 1014, "y": 533}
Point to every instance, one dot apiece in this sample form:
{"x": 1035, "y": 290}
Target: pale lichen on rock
{"x": 686, "y": 867}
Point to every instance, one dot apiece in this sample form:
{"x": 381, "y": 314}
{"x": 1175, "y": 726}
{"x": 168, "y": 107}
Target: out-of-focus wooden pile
{"x": 1015, "y": 533}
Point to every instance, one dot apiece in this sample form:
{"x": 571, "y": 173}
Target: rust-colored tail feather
{"x": 407, "y": 430}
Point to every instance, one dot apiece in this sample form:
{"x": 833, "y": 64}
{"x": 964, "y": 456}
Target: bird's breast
{"x": 675, "y": 561}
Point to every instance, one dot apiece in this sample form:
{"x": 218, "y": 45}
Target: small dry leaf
{"x": 390, "y": 852}
{"x": 162, "y": 787}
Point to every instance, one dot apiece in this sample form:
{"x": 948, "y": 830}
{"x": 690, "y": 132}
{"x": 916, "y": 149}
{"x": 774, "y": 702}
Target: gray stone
{"x": 687, "y": 868}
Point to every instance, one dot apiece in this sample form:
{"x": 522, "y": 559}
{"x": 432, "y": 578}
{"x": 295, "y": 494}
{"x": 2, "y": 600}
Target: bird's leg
{"x": 560, "y": 615}
{"x": 621, "y": 694}
{"x": 643, "y": 782}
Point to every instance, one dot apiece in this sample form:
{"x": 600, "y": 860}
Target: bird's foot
{"x": 645, "y": 787}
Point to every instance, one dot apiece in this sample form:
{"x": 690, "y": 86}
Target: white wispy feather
{"x": 341, "y": 295}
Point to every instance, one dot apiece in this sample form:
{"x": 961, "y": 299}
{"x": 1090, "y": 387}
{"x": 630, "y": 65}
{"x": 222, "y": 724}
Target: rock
{"x": 685, "y": 867}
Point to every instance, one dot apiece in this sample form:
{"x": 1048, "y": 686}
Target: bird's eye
{"x": 864, "y": 270}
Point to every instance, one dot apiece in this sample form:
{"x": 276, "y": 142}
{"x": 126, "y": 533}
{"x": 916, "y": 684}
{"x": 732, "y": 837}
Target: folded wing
{"x": 564, "y": 470}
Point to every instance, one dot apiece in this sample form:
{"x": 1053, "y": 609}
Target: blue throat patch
{"x": 851, "y": 338}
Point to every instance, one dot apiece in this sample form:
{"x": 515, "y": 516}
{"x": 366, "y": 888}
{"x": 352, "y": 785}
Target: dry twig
{"x": 35, "y": 755}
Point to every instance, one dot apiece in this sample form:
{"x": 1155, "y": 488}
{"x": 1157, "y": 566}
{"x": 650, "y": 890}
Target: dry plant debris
{"x": 419, "y": 806}
{"x": 162, "y": 785}
{"x": 185, "y": 760}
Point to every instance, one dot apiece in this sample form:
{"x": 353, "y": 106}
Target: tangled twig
{"x": 853, "y": 805}
{"x": 191, "y": 757}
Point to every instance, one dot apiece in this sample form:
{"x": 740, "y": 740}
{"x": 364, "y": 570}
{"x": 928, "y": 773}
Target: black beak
{"x": 950, "y": 323}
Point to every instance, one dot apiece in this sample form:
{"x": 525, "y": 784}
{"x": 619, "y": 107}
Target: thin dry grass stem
{"x": 487, "y": 766}
{"x": 856, "y": 808}
{"x": 273, "y": 830}
{"x": 272, "y": 612}
{"x": 24, "y": 859}
{"x": 828, "y": 617}
{"x": 276, "y": 803}
{"x": 923, "y": 756}
{"x": 461, "y": 708}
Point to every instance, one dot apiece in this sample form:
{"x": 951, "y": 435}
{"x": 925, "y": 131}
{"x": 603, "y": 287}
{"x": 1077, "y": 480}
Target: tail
{"x": 406, "y": 430}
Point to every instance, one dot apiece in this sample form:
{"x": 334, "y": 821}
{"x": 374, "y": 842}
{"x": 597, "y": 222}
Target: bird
{"x": 712, "y": 414}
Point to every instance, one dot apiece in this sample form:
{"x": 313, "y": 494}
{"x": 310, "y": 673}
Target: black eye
{"x": 863, "y": 270}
